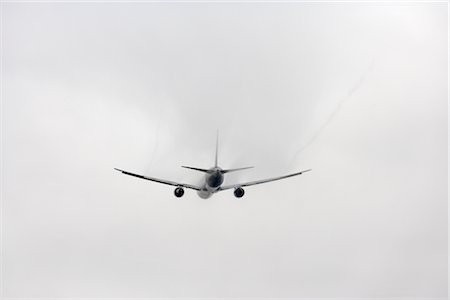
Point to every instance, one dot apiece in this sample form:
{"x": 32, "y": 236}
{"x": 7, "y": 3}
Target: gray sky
{"x": 357, "y": 92}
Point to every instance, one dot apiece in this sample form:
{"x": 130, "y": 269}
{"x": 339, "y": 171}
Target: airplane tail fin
{"x": 217, "y": 149}
{"x": 216, "y": 162}
{"x": 216, "y": 158}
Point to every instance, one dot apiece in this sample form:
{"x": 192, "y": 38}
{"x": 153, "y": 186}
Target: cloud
{"x": 357, "y": 92}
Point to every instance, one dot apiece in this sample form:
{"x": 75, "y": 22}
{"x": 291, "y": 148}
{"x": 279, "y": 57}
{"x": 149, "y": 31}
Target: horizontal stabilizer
{"x": 238, "y": 169}
{"x": 196, "y": 169}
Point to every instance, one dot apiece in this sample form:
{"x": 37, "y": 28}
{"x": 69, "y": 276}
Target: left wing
{"x": 260, "y": 181}
{"x": 163, "y": 181}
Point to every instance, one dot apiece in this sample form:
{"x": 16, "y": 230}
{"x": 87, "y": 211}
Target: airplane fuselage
{"x": 213, "y": 180}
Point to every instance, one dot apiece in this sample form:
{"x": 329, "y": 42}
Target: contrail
{"x": 350, "y": 93}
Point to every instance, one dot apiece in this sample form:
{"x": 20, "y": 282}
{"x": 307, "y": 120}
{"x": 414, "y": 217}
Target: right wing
{"x": 260, "y": 181}
{"x": 189, "y": 186}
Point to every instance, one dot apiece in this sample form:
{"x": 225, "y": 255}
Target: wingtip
{"x": 118, "y": 170}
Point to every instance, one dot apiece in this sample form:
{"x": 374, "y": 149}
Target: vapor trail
{"x": 338, "y": 107}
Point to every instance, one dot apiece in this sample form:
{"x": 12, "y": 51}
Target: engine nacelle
{"x": 179, "y": 192}
{"x": 239, "y": 192}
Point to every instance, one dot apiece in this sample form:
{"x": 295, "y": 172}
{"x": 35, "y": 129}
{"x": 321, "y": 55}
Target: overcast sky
{"x": 357, "y": 92}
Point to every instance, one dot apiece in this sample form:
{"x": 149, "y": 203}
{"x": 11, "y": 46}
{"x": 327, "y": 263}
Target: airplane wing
{"x": 189, "y": 186}
{"x": 261, "y": 181}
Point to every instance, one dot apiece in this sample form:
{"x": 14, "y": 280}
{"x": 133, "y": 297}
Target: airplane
{"x": 213, "y": 180}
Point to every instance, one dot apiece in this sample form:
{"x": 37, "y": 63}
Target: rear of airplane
{"x": 216, "y": 166}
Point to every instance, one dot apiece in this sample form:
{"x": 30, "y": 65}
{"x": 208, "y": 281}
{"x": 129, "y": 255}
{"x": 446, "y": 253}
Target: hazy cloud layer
{"x": 357, "y": 92}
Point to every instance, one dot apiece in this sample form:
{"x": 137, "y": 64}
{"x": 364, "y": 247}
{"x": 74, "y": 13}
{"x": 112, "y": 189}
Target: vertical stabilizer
{"x": 217, "y": 149}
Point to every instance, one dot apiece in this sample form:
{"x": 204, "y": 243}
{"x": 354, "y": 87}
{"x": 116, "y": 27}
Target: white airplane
{"x": 214, "y": 178}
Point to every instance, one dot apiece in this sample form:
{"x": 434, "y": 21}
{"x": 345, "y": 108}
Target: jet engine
{"x": 179, "y": 192}
{"x": 239, "y": 192}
